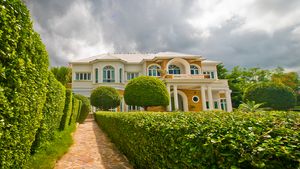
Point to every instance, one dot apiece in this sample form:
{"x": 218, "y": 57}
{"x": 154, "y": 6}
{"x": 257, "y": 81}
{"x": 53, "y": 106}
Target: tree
{"x": 275, "y": 96}
{"x": 146, "y": 91}
{"x": 222, "y": 71}
{"x": 62, "y": 74}
{"x": 105, "y": 98}
{"x": 290, "y": 79}
{"x": 250, "y": 106}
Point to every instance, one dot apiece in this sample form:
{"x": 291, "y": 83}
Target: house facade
{"x": 191, "y": 80}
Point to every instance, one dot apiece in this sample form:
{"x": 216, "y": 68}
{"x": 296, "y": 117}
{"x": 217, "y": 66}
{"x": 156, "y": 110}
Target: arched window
{"x": 108, "y": 74}
{"x": 153, "y": 70}
{"x": 194, "y": 70}
{"x": 173, "y": 69}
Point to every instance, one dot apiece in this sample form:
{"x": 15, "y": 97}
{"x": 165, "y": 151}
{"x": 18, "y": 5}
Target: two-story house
{"x": 192, "y": 81}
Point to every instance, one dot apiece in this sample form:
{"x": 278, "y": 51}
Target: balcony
{"x": 187, "y": 76}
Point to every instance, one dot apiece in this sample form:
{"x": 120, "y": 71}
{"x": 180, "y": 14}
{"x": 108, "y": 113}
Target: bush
{"x": 23, "y": 79}
{"x": 205, "y": 139}
{"x": 105, "y": 98}
{"x": 85, "y": 108}
{"x": 52, "y": 112}
{"x": 67, "y": 110}
{"x": 276, "y": 96}
{"x": 146, "y": 91}
{"x": 75, "y": 110}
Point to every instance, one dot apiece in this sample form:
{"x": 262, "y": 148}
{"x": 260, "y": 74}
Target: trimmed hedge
{"x": 205, "y": 139}
{"x": 105, "y": 98}
{"x": 52, "y": 112}
{"x": 146, "y": 91}
{"x": 275, "y": 96}
{"x": 85, "y": 108}
{"x": 75, "y": 110}
{"x": 23, "y": 79}
{"x": 64, "y": 123}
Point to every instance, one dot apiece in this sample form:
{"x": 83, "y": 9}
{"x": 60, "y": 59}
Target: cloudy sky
{"x": 249, "y": 33}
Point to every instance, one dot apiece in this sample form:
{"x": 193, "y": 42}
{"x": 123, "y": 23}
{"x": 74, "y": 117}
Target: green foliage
{"x": 23, "y": 79}
{"x": 250, "y": 106}
{"x": 75, "y": 110}
{"x": 53, "y": 111}
{"x": 146, "y": 91}
{"x": 62, "y": 74}
{"x": 275, "y": 96}
{"x": 64, "y": 123}
{"x": 105, "y": 98}
{"x": 290, "y": 79}
{"x": 205, "y": 139}
{"x": 85, "y": 108}
{"x": 222, "y": 71}
{"x": 48, "y": 154}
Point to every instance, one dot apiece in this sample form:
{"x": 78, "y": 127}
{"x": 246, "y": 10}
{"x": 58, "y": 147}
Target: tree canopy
{"x": 105, "y": 98}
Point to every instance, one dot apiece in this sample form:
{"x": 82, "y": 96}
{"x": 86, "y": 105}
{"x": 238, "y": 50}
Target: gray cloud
{"x": 79, "y": 28}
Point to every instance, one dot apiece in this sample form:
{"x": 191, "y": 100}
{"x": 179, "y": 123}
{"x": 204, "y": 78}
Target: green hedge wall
{"x": 85, "y": 108}
{"x": 206, "y": 139}
{"x": 23, "y": 79}
{"x": 75, "y": 110}
{"x": 52, "y": 112}
{"x": 64, "y": 123}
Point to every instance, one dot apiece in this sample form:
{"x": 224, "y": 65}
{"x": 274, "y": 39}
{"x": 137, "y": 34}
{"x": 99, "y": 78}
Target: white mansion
{"x": 191, "y": 80}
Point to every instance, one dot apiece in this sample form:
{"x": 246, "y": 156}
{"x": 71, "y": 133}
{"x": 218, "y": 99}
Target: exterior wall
{"x": 193, "y": 106}
{"x": 157, "y": 108}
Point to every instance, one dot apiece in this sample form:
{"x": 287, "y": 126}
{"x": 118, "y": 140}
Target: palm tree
{"x": 250, "y": 106}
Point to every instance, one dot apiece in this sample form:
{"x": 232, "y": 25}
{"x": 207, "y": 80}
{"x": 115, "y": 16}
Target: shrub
{"x": 146, "y": 91}
{"x": 67, "y": 110}
{"x": 52, "y": 112}
{"x": 85, "y": 108}
{"x": 75, "y": 110}
{"x": 105, "y": 98}
{"x": 205, "y": 139}
{"x": 23, "y": 79}
{"x": 276, "y": 96}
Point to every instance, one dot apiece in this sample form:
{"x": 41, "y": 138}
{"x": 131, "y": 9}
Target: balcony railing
{"x": 187, "y": 76}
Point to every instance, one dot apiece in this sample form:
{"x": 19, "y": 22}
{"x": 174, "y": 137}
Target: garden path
{"x": 92, "y": 150}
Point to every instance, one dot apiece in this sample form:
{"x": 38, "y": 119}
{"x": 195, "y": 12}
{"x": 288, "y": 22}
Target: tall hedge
{"x": 105, "y": 98}
{"x": 64, "y": 123}
{"x": 206, "y": 139}
{"x": 23, "y": 79}
{"x": 275, "y": 96}
{"x": 146, "y": 91}
{"x": 85, "y": 108}
{"x": 75, "y": 110}
{"x": 52, "y": 112}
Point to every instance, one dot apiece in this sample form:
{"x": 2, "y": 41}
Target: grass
{"x": 46, "y": 156}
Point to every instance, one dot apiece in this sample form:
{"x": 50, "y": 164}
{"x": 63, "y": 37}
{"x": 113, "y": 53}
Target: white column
{"x": 228, "y": 100}
{"x": 203, "y": 98}
{"x": 169, "y": 108}
{"x": 210, "y": 98}
{"x": 175, "y": 97}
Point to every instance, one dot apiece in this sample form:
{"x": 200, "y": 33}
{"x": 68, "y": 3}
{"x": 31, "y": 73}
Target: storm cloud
{"x": 248, "y": 33}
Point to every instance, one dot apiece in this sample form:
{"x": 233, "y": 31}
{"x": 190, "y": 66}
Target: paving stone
{"x": 92, "y": 150}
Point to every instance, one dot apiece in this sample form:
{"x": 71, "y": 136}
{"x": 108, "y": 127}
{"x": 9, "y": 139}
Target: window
{"x": 216, "y": 105}
{"x": 223, "y": 104}
{"x": 210, "y": 73}
{"x": 131, "y": 108}
{"x": 96, "y": 75}
{"x": 153, "y": 70}
{"x": 194, "y": 70}
{"x": 132, "y": 75}
{"x": 120, "y": 74}
{"x": 173, "y": 69}
{"x": 108, "y": 74}
{"x": 207, "y": 105}
{"x": 83, "y": 76}
{"x": 195, "y": 99}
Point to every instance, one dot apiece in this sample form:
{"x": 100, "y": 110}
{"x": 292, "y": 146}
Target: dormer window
{"x": 194, "y": 70}
{"x": 173, "y": 69}
{"x": 108, "y": 74}
{"x": 153, "y": 70}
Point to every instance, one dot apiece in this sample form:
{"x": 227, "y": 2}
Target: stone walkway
{"x": 92, "y": 150}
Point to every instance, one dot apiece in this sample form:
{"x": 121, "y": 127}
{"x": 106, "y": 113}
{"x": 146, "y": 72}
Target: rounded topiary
{"x": 275, "y": 96}
{"x": 85, "y": 107}
{"x": 105, "y": 98}
{"x": 146, "y": 91}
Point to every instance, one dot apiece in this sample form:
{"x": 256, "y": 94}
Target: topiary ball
{"x": 105, "y": 98}
{"x": 275, "y": 96}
